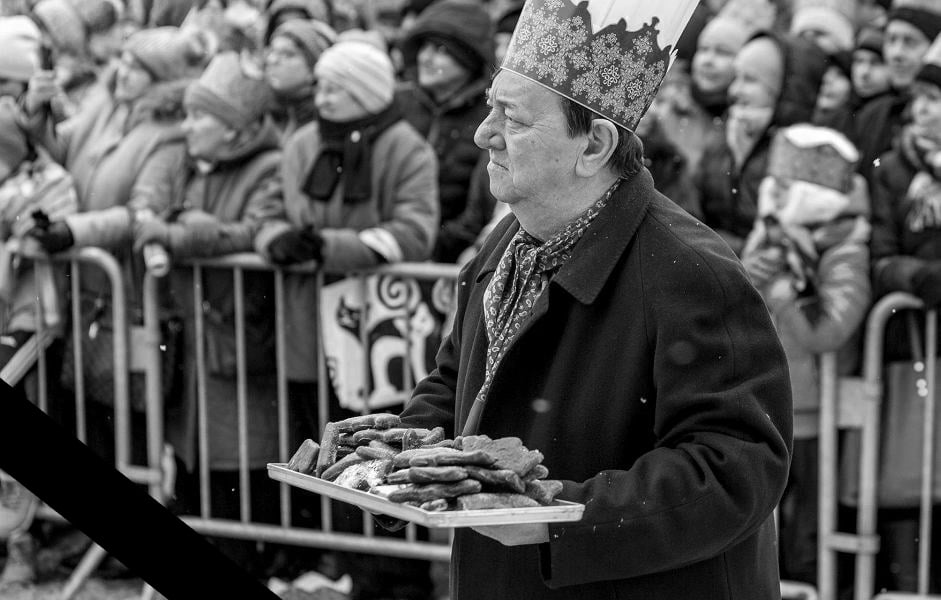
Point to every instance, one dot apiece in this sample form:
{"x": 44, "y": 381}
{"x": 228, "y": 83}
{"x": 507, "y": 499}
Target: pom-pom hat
{"x": 609, "y": 56}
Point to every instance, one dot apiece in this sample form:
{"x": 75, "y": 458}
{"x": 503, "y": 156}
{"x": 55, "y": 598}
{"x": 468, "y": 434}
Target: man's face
{"x": 206, "y": 136}
{"x": 870, "y": 74}
{"x": 532, "y": 157}
{"x": 904, "y": 48}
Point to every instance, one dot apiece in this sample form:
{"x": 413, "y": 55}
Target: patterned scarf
{"x": 523, "y": 273}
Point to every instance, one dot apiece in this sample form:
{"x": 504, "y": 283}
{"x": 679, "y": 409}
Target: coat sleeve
{"x": 199, "y": 234}
{"x": 721, "y": 432}
{"x": 409, "y": 233}
{"x": 155, "y": 189}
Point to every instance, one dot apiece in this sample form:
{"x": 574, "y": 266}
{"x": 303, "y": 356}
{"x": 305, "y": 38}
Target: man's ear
{"x": 602, "y": 141}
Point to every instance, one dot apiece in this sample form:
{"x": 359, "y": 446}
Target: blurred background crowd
{"x": 806, "y": 132}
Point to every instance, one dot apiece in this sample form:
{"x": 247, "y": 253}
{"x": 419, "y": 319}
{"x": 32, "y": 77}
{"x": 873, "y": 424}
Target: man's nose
{"x": 485, "y": 134}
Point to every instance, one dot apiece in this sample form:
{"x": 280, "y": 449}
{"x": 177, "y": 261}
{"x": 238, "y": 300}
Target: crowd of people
{"x": 807, "y": 133}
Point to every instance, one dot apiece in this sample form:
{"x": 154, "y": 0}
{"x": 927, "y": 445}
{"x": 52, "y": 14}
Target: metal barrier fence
{"x": 129, "y": 345}
{"x": 284, "y": 532}
{"x": 857, "y": 405}
{"x": 853, "y": 404}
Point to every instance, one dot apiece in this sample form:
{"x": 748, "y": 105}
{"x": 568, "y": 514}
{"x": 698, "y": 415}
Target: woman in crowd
{"x": 219, "y": 197}
{"x": 360, "y": 189}
{"x": 450, "y": 51}
{"x": 776, "y": 84}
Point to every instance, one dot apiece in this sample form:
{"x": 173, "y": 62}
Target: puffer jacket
{"x": 729, "y": 194}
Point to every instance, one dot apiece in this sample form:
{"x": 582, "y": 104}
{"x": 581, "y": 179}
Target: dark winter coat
{"x": 876, "y": 127}
{"x": 652, "y": 380}
{"x": 449, "y": 127}
{"x": 729, "y": 194}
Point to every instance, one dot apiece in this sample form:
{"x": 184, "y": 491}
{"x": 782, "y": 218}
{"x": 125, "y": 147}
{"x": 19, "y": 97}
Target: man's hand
{"x": 516, "y": 535}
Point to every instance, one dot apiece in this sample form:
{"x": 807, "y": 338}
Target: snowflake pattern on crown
{"x": 614, "y": 72}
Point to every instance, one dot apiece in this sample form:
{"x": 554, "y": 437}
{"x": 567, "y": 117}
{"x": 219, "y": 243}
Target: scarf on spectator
{"x": 923, "y": 150}
{"x": 520, "y": 278}
{"x": 347, "y": 155}
{"x": 714, "y": 103}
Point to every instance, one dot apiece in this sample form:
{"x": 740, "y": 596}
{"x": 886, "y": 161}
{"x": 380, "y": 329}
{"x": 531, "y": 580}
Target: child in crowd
{"x": 808, "y": 255}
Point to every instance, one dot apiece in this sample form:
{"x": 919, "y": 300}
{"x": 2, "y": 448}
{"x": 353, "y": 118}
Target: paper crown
{"x": 818, "y": 155}
{"x": 606, "y": 55}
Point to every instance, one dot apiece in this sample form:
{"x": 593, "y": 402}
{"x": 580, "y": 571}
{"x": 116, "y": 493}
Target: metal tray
{"x": 558, "y": 511}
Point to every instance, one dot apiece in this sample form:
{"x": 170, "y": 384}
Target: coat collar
{"x": 602, "y": 246}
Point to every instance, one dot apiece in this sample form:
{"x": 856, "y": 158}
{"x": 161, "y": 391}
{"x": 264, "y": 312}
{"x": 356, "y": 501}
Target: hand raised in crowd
{"x": 764, "y": 263}
{"x": 296, "y": 245}
{"x": 53, "y": 236}
{"x": 926, "y": 283}
{"x": 42, "y": 88}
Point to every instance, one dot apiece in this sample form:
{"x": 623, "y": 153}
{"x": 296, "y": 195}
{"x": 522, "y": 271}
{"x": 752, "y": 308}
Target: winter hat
{"x": 367, "y": 36}
{"x": 312, "y": 37}
{"x": 232, "y": 90}
{"x": 924, "y": 15}
{"x": 767, "y": 62}
{"x": 835, "y": 17}
{"x": 464, "y": 28}
{"x": 871, "y": 39}
{"x": 817, "y": 155}
{"x": 931, "y": 64}
{"x": 362, "y": 70}
{"x": 169, "y": 53}
{"x": 20, "y": 40}
{"x": 69, "y": 22}
{"x": 317, "y": 10}
{"x": 13, "y": 145}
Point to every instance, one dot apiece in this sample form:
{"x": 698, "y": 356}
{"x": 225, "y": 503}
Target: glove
{"x": 53, "y": 236}
{"x": 151, "y": 231}
{"x": 296, "y": 245}
{"x": 926, "y": 283}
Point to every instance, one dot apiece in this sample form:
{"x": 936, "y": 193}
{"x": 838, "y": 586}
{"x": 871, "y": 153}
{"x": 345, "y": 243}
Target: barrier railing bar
{"x": 284, "y": 452}
{"x": 927, "y": 456}
{"x": 333, "y": 541}
{"x": 81, "y": 426}
{"x": 154, "y": 377}
{"x": 323, "y": 409}
{"x": 245, "y": 490}
{"x": 201, "y": 401}
{"x": 827, "y": 476}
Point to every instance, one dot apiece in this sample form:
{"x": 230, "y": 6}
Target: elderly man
{"x": 604, "y": 326}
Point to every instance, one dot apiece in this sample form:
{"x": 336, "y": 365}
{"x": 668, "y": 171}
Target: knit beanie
{"x": 924, "y": 15}
{"x": 836, "y": 17}
{"x": 765, "y": 60}
{"x": 464, "y": 28}
{"x": 362, "y": 70}
{"x": 20, "y": 40}
{"x": 70, "y": 22}
{"x": 61, "y": 21}
{"x": 312, "y": 37}
{"x": 871, "y": 39}
{"x": 317, "y": 10}
{"x": 13, "y": 145}
{"x": 931, "y": 64}
{"x": 169, "y": 53}
{"x": 231, "y": 90}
